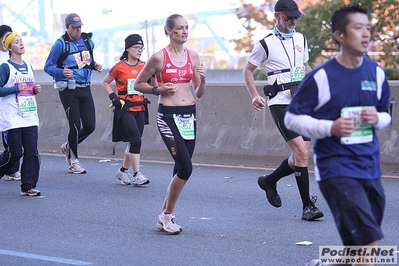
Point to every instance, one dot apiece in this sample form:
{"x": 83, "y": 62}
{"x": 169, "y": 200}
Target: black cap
{"x": 133, "y": 39}
{"x": 4, "y": 29}
{"x": 288, "y": 7}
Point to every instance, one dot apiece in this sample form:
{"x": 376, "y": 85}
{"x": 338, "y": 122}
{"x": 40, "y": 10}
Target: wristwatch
{"x": 154, "y": 90}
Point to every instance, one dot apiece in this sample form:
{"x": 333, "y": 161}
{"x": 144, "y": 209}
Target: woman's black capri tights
{"x": 181, "y": 149}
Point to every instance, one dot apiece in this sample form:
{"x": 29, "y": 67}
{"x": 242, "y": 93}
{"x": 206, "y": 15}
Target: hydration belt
{"x": 82, "y": 85}
{"x": 278, "y": 72}
{"x": 272, "y": 90}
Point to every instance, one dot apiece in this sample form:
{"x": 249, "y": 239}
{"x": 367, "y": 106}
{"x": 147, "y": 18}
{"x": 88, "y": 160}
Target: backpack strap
{"x": 64, "y": 55}
{"x": 304, "y": 41}
{"x": 86, "y": 37}
{"x": 264, "y": 45}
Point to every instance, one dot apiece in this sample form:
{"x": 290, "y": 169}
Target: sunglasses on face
{"x": 286, "y": 19}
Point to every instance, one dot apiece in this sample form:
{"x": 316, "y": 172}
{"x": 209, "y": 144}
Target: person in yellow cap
{"x": 13, "y": 174}
{"x": 19, "y": 120}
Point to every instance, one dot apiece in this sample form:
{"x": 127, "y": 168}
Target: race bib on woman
{"x": 185, "y": 125}
{"x": 26, "y": 100}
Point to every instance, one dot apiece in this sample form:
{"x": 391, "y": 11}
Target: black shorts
{"x": 278, "y": 113}
{"x": 357, "y": 206}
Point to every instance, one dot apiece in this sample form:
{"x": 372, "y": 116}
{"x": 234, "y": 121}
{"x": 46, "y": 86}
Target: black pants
{"x": 15, "y": 167}
{"x": 22, "y": 142}
{"x": 80, "y": 112}
{"x": 133, "y": 126}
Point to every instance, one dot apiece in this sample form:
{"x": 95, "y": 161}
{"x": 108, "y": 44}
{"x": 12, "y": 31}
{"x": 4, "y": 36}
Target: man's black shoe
{"x": 271, "y": 191}
{"x": 311, "y": 212}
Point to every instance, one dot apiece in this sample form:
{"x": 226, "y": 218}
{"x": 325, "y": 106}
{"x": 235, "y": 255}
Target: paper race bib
{"x": 362, "y": 132}
{"x": 297, "y": 73}
{"x": 26, "y": 100}
{"x": 185, "y": 125}
{"x": 130, "y": 87}
{"x": 82, "y": 59}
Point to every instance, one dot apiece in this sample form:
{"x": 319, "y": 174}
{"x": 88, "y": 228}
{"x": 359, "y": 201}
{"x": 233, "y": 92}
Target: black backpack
{"x": 64, "y": 55}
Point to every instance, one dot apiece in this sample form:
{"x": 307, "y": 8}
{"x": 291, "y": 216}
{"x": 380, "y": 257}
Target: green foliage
{"x": 259, "y": 74}
{"x": 385, "y": 32}
{"x": 252, "y": 17}
{"x": 316, "y": 27}
{"x": 384, "y": 18}
{"x": 392, "y": 73}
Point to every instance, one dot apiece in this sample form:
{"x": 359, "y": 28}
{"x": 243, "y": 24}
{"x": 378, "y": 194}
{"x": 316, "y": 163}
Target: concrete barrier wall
{"x": 229, "y": 129}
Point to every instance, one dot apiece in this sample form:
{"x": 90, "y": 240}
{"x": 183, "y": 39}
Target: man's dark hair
{"x": 340, "y": 19}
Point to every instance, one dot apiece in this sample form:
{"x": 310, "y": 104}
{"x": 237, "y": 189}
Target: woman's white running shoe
{"x": 140, "y": 179}
{"x": 167, "y": 223}
{"x": 76, "y": 168}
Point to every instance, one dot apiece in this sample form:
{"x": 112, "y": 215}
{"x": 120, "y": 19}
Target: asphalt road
{"x": 92, "y": 219}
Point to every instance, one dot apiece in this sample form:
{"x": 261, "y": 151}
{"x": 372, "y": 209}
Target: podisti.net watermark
{"x": 358, "y": 254}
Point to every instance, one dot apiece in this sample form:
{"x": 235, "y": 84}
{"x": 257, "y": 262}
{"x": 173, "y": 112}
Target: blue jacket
{"x": 78, "y": 59}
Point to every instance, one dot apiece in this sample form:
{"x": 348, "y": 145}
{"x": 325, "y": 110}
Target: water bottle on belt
{"x": 59, "y": 85}
{"x": 71, "y": 84}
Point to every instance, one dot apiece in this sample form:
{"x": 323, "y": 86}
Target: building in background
{"x": 41, "y": 22}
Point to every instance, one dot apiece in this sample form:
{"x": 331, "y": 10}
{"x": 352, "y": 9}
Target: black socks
{"x": 283, "y": 170}
{"x": 302, "y": 180}
{"x": 301, "y": 177}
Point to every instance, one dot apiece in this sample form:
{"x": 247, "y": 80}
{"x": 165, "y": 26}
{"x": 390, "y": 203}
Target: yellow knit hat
{"x": 8, "y": 39}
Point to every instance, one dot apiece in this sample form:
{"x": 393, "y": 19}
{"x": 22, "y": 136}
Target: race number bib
{"x": 130, "y": 87}
{"x": 362, "y": 132}
{"x": 26, "y": 99}
{"x": 185, "y": 125}
{"x": 297, "y": 73}
{"x": 82, "y": 59}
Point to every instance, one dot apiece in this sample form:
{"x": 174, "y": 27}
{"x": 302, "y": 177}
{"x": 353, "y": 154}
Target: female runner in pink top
{"x": 180, "y": 82}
